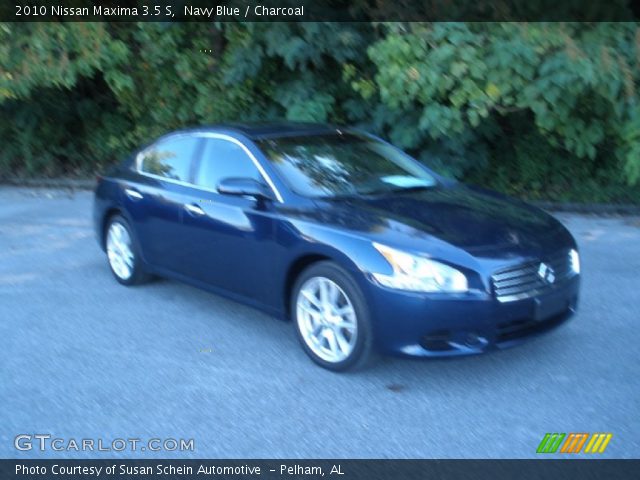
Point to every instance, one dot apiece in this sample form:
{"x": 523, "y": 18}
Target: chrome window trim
{"x": 219, "y": 136}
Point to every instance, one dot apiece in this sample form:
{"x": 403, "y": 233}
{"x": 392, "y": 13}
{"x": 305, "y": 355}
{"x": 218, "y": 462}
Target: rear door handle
{"x": 194, "y": 209}
{"x": 133, "y": 194}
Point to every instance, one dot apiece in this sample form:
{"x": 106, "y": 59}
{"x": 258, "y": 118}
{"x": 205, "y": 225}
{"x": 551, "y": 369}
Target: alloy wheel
{"x": 119, "y": 250}
{"x": 326, "y": 319}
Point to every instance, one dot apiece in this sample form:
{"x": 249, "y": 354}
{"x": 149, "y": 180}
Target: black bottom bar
{"x": 316, "y": 469}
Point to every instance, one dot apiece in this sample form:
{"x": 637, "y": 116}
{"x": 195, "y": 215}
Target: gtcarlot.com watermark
{"x": 44, "y": 442}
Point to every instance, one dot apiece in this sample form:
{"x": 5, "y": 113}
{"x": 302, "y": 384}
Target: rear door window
{"x": 170, "y": 158}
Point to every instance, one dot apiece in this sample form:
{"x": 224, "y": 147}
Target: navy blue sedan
{"x": 364, "y": 248}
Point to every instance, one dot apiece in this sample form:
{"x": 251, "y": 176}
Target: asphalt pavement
{"x": 82, "y": 357}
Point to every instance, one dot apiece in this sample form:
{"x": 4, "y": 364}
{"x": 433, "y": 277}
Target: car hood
{"x": 477, "y": 221}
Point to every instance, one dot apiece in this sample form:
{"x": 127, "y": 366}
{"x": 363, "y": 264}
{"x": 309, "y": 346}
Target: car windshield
{"x": 344, "y": 164}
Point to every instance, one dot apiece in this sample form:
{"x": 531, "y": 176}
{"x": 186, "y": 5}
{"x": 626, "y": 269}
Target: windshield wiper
{"x": 373, "y": 193}
{"x": 340, "y": 196}
{"x": 415, "y": 188}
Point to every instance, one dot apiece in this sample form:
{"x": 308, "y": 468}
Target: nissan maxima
{"x": 365, "y": 249}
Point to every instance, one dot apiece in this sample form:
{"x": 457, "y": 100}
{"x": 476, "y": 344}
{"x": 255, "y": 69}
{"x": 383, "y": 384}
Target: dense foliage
{"x": 542, "y": 110}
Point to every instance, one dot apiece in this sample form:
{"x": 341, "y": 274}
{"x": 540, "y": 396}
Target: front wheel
{"x": 332, "y": 318}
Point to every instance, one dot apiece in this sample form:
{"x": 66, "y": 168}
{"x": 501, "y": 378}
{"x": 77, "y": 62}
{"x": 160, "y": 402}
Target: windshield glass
{"x": 335, "y": 164}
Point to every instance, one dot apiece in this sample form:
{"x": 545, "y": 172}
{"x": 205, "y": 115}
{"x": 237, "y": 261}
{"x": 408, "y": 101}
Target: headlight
{"x": 419, "y": 274}
{"x": 575, "y": 261}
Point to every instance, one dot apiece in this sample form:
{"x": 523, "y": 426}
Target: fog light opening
{"x": 474, "y": 340}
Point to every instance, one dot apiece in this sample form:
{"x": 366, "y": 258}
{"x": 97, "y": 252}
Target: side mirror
{"x": 244, "y": 187}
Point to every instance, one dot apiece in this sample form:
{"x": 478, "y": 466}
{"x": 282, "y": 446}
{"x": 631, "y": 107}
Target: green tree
{"x": 576, "y": 82}
{"x": 542, "y": 110}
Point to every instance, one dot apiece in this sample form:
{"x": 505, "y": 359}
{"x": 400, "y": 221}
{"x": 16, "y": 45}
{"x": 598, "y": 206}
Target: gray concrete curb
{"x": 590, "y": 208}
{"x": 64, "y": 183}
{"x": 587, "y": 208}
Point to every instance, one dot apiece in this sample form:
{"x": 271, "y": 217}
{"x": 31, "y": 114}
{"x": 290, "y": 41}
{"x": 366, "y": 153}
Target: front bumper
{"x": 422, "y": 325}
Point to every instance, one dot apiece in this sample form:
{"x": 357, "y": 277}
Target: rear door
{"x": 156, "y": 201}
{"x": 230, "y": 239}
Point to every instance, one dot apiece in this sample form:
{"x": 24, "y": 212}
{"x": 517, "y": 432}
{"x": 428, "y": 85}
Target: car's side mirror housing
{"x": 244, "y": 187}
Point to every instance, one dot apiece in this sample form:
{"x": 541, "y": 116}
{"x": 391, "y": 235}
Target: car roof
{"x": 265, "y": 130}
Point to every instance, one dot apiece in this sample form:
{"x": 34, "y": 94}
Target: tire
{"x": 127, "y": 272}
{"x": 350, "y": 328}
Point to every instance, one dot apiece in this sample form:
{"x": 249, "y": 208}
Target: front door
{"x": 230, "y": 238}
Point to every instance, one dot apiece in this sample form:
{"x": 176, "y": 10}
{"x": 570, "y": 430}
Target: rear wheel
{"x": 332, "y": 318}
{"x": 122, "y": 252}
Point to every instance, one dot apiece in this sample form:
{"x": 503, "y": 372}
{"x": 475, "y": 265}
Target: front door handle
{"x": 194, "y": 209}
{"x": 133, "y": 194}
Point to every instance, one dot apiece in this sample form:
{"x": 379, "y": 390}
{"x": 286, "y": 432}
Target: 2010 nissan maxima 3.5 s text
{"x": 363, "y": 247}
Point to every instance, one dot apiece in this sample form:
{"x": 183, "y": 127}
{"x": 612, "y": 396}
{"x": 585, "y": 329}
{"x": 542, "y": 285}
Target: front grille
{"x": 531, "y": 278}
